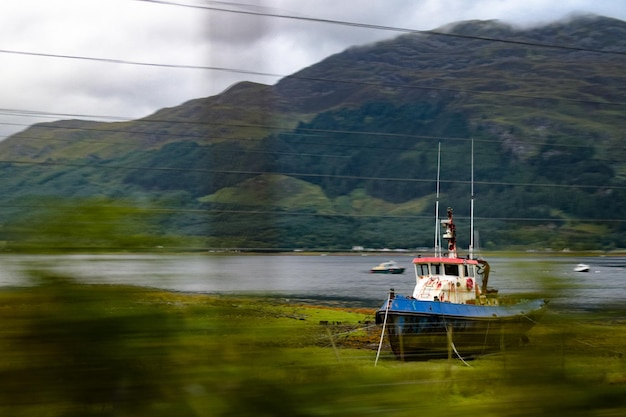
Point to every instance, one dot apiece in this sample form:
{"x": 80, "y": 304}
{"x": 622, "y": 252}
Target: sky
{"x": 125, "y": 59}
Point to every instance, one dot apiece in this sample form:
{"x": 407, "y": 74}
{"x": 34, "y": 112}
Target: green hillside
{"x": 344, "y": 153}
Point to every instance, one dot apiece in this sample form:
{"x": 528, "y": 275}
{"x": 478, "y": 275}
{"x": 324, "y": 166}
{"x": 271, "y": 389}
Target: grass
{"x": 84, "y": 350}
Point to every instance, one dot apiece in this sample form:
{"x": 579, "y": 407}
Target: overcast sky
{"x": 128, "y": 58}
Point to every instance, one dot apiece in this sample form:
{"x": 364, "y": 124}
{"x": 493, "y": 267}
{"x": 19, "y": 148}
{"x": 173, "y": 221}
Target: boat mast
{"x": 471, "y": 248}
{"x": 437, "y": 238}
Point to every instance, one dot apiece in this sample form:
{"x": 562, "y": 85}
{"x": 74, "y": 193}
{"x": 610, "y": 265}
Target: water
{"x": 339, "y": 278}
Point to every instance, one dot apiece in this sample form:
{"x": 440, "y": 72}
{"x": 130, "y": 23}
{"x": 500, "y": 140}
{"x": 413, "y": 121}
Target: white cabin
{"x": 451, "y": 280}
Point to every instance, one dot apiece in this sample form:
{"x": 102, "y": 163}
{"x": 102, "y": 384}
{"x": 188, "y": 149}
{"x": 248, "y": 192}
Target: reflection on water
{"x": 340, "y": 278}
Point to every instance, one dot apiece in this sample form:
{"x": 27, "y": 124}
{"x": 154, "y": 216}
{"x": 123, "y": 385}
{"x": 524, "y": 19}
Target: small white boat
{"x": 582, "y": 268}
{"x": 389, "y": 267}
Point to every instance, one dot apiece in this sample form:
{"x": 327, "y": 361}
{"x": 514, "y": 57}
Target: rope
{"x": 526, "y": 317}
{"x": 382, "y": 334}
{"x": 486, "y": 335}
{"x": 456, "y": 352}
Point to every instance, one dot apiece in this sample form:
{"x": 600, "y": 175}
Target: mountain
{"x": 344, "y": 153}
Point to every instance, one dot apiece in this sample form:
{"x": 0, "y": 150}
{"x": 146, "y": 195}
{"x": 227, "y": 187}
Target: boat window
{"x": 466, "y": 270}
{"x": 451, "y": 269}
{"x": 422, "y": 269}
{"x": 436, "y": 268}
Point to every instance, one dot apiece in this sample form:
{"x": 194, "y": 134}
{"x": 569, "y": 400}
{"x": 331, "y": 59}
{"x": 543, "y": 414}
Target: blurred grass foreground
{"x": 95, "y": 350}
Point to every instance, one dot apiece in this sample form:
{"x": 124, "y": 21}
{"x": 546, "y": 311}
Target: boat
{"x": 389, "y": 267}
{"x": 452, "y": 309}
{"x": 581, "y": 268}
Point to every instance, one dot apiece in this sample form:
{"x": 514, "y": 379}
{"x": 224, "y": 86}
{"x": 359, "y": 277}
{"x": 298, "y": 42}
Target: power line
{"x": 294, "y": 131}
{"x": 300, "y": 77}
{"x": 314, "y": 133}
{"x": 47, "y": 114}
{"x": 330, "y": 21}
{"x": 107, "y": 60}
{"x": 317, "y": 131}
{"x": 303, "y": 175}
{"x": 215, "y": 149}
{"x": 305, "y": 78}
{"x": 380, "y": 27}
{"x": 274, "y": 213}
{"x": 411, "y": 217}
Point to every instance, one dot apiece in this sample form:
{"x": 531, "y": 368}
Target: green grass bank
{"x": 96, "y": 350}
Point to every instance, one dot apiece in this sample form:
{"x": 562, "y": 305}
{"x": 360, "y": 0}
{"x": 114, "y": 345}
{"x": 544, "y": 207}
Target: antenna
{"x": 437, "y": 238}
{"x": 471, "y": 248}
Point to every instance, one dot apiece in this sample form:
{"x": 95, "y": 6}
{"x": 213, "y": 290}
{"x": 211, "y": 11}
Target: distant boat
{"x": 451, "y": 308}
{"x": 582, "y": 268}
{"x": 389, "y": 267}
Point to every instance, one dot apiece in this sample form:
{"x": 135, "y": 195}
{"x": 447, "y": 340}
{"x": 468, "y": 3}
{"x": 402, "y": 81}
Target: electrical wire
{"x": 380, "y": 27}
{"x": 314, "y": 79}
{"x": 297, "y": 131}
{"x": 33, "y": 113}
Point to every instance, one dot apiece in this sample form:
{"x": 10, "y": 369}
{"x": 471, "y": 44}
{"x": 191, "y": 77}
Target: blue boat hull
{"x": 431, "y": 329}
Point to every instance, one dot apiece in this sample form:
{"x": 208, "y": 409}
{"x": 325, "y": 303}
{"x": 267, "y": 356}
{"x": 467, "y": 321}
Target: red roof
{"x": 441, "y": 259}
